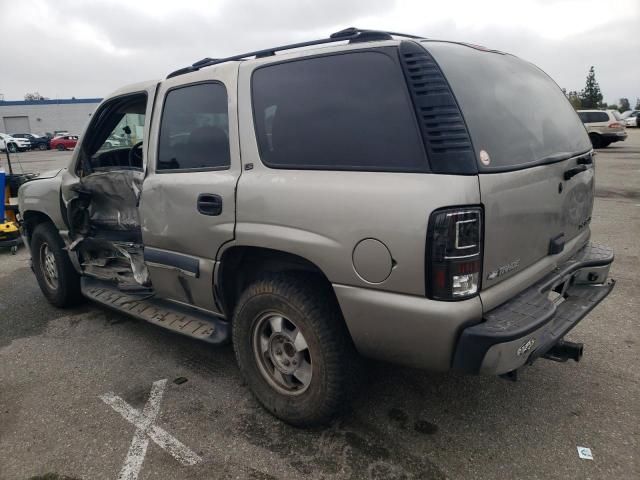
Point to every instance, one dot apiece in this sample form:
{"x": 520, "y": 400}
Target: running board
{"x": 177, "y": 318}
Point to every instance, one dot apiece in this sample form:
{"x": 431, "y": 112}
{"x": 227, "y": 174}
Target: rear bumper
{"x": 615, "y": 137}
{"x": 530, "y": 324}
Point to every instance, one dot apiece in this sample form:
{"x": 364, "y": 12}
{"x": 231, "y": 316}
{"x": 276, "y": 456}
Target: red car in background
{"x": 64, "y": 142}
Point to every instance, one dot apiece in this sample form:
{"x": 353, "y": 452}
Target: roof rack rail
{"x": 352, "y": 34}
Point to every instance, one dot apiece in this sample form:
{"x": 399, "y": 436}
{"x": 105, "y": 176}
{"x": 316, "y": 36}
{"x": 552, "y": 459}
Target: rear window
{"x": 595, "y": 117}
{"x": 339, "y": 112}
{"x": 516, "y": 115}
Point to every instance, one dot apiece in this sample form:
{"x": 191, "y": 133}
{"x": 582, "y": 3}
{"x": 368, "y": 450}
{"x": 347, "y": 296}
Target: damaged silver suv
{"x": 421, "y": 202}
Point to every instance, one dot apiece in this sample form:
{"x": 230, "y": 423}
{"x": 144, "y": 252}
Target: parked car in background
{"x": 37, "y": 142}
{"x": 64, "y": 142}
{"x": 7, "y": 142}
{"x": 603, "y": 126}
{"x": 630, "y": 118}
{"x": 116, "y": 141}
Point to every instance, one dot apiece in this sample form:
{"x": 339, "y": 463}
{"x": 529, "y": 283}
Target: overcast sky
{"x": 65, "y": 48}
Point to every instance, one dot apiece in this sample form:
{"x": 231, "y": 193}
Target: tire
{"x": 12, "y": 147}
{"x": 58, "y": 280}
{"x": 42, "y": 146}
{"x": 60, "y": 147}
{"x": 596, "y": 140}
{"x": 308, "y": 308}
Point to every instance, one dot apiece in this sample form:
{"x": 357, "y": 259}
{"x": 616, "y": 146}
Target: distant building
{"x": 46, "y": 116}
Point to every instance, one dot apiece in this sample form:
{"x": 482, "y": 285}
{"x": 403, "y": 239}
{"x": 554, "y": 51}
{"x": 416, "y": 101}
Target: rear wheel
{"x": 596, "y": 140}
{"x": 58, "y": 280}
{"x": 60, "y": 147}
{"x": 293, "y": 348}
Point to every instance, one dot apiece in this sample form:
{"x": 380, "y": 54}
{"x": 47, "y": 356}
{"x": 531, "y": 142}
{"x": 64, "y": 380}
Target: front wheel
{"x": 12, "y": 147}
{"x": 293, "y": 348}
{"x": 58, "y": 280}
{"x": 42, "y": 146}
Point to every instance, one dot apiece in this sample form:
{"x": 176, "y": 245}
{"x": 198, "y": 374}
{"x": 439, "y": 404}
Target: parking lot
{"x": 75, "y": 384}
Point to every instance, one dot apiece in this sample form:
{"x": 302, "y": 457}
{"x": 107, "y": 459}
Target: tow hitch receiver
{"x": 563, "y": 351}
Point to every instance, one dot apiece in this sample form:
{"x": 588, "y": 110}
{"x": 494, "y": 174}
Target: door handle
{"x": 572, "y": 172}
{"x": 209, "y": 204}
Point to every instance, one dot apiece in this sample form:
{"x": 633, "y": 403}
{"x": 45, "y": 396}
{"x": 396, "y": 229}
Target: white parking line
{"x": 145, "y": 430}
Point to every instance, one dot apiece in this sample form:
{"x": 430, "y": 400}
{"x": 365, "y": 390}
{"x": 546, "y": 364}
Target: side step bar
{"x": 177, "y": 318}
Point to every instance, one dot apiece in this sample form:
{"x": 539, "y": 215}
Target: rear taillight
{"x": 454, "y": 253}
{"x": 615, "y": 125}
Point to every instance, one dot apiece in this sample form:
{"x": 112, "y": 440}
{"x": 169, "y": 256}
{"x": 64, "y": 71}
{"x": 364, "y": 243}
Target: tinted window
{"x": 598, "y": 117}
{"x": 194, "y": 130}
{"x": 339, "y": 112}
{"x": 513, "y": 110}
{"x": 583, "y": 116}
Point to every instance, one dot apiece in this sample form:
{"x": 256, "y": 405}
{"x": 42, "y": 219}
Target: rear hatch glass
{"x": 513, "y": 110}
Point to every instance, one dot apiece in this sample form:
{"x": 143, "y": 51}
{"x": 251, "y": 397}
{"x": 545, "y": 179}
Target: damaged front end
{"x": 104, "y": 228}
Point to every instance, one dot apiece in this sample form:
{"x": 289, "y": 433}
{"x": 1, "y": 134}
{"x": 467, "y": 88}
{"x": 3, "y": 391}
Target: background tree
{"x": 624, "y": 105}
{"x": 34, "y": 96}
{"x": 574, "y": 98}
{"x": 591, "y": 96}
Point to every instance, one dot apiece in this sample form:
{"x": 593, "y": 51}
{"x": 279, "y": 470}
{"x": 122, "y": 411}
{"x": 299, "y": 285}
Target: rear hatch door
{"x": 534, "y": 159}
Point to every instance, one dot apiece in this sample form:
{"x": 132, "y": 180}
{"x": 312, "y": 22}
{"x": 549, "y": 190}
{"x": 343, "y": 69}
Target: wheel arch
{"x": 239, "y": 265}
{"x": 596, "y": 139}
{"x": 31, "y": 219}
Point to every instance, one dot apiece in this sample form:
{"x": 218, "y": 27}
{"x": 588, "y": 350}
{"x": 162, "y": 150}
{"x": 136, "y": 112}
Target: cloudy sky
{"x": 64, "y": 48}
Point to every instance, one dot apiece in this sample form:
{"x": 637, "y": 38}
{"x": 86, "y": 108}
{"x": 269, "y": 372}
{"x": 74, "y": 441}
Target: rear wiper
{"x": 586, "y": 160}
{"x": 572, "y": 172}
{"x": 558, "y": 157}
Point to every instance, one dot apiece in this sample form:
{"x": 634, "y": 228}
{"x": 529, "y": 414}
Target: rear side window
{"x": 194, "y": 130}
{"x": 339, "y": 112}
{"x": 517, "y": 116}
{"x": 595, "y": 117}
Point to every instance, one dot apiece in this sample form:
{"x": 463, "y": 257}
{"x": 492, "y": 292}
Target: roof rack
{"x": 352, "y": 34}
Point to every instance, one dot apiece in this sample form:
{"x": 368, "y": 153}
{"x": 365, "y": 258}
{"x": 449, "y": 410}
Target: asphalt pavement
{"x": 79, "y": 387}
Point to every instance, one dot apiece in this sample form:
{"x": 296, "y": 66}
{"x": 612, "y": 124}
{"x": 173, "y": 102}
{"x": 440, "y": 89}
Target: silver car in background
{"x": 603, "y": 126}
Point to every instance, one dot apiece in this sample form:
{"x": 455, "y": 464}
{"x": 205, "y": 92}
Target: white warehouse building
{"x": 46, "y": 116}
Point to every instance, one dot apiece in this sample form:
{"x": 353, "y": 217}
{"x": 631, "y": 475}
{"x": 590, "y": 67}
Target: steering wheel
{"x": 135, "y": 154}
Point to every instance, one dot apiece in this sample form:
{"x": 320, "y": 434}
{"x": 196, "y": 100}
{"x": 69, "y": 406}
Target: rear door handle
{"x": 209, "y": 204}
{"x": 572, "y": 172}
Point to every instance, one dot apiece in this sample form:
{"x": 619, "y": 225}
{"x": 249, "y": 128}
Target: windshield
{"x": 616, "y": 115}
{"x": 517, "y": 116}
